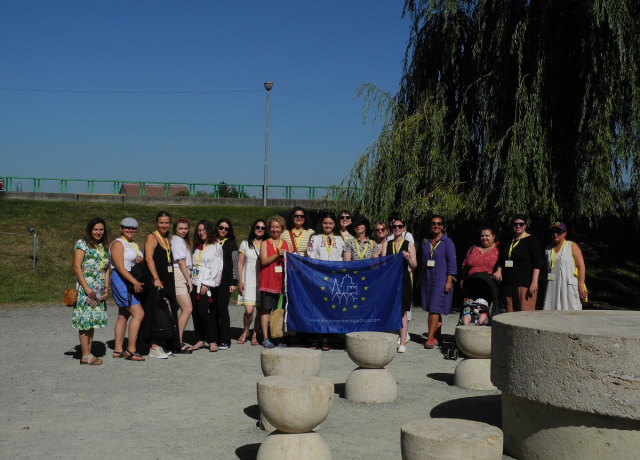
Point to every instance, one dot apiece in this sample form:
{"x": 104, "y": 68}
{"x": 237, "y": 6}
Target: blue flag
{"x": 339, "y": 297}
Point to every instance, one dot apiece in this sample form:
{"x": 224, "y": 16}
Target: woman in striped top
{"x": 298, "y": 230}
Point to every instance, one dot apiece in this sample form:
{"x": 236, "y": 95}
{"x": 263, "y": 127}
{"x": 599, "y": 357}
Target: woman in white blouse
{"x": 181, "y": 249}
{"x": 248, "y": 270}
{"x": 206, "y": 275}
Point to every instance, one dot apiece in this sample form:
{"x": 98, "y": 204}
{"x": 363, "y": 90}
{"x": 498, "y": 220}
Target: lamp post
{"x": 267, "y": 85}
{"x": 35, "y": 245}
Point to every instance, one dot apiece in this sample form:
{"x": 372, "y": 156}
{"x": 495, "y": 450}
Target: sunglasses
{"x": 401, "y": 226}
{"x": 436, "y": 224}
{"x": 519, "y": 224}
{"x": 260, "y": 227}
{"x": 557, "y": 232}
{"x": 129, "y": 228}
{"x": 298, "y": 216}
{"x": 221, "y": 228}
{"x": 345, "y": 217}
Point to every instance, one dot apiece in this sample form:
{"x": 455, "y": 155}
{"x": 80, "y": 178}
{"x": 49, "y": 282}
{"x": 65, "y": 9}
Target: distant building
{"x": 152, "y": 190}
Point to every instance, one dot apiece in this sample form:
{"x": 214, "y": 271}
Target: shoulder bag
{"x": 276, "y": 321}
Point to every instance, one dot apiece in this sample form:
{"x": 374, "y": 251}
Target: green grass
{"x": 612, "y": 254}
{"x": 60, "y": 224}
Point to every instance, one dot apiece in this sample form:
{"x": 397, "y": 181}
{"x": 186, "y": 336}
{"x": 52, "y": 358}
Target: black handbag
{"x": 165, "y": 326}
{"x": 141, "y": 273}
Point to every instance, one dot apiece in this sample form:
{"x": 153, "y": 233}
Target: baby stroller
{"x": 481, "y": 294}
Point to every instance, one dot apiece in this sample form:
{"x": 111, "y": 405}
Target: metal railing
{"x": 220, "y": 190}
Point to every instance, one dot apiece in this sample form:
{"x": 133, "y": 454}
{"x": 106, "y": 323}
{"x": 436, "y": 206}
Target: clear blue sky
{"x": 316, "y": 53}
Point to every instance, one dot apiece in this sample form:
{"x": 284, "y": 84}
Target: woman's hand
{"x": 498, "y": 274}
{"x": 241, "y": 287}
{"x": 582, "y": 293}
{"x": 91, "y": 293}
{"x": 447, "y": 286}
{"x": 190, "y": 286}
{"x": 203, "y": 290}
{"x": 533, "y": 289}
{"x": 406, "y": 255}
{"x": 281, "y": 252}
{"x": 104, "y": 296}
{"x": 138, "y": 259}
{"x": 137, "y": 286}
{"x": 157, "y": 283}
{"x": 231, "y": 289}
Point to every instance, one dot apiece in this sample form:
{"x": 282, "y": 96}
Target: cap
{"x": 129, "y": 222}
{"x": 482, "y": 302}
{"x": 559, "y": 225}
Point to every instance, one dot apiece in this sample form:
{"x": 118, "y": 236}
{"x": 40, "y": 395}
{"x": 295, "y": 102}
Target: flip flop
{"x": 91, "y": 361}
{"x": 119, "y": 354}
{"x": 242, "y": 339}
{"x": 195, "y": 348}
{"x": 325, "y": 345}
{"x": 254, "y": 341}
{"x": 313, "y": 346}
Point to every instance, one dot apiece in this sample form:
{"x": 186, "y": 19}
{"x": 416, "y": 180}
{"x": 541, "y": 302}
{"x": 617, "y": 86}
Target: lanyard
{"x": 329, "y": 244}
{"x": 166, "y": 248}
{"x": 433, "y": 248}
{"x": 553, "y": 259}
{"x": 274, "y": 246}
{"x": 103, "y": 255}
{"x": 395, "y": 250}
{"x": 296, "y": 238}
{"x": 348, "y": 235}
{"x": 362, "y": 253}
{"x": 222, "y": 242}
{"x": 200, "y": 254}
{"x": 256, "y": 248}
{"x": 516, "y": 243}
{"x": 135, "y": 248}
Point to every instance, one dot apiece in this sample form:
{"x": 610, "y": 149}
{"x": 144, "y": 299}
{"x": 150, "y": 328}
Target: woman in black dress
{"x": 226, "y": 238}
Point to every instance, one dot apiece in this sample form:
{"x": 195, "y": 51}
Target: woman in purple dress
{"x": 438, "y": 268}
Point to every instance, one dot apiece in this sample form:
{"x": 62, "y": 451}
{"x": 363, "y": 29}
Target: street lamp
{"x": 35, "y": 245}
{"x": 267, "y": 85}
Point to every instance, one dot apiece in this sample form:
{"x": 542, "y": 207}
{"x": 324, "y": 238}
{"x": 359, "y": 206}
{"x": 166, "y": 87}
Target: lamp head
{"x": 268, "y": 85}
{"x": 31, "y": 230}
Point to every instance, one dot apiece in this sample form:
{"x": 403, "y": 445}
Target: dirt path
{"x": 194, "y": 406}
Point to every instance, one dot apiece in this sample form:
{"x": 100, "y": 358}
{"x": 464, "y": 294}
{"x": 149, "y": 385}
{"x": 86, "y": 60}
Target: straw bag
{"x": 276, "y": 321}
{"x": 69, "y": 296}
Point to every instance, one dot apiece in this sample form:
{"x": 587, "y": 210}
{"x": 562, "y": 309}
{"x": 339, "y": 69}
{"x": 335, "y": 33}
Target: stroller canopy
{"x": 480, "y": 285}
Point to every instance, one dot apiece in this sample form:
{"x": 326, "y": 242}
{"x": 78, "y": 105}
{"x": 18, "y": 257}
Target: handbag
{"x": 164, "y": 327}
{"x": 276, "y": 321}
{"x": 141, "y": 274}
{"x": 70, "y": 296}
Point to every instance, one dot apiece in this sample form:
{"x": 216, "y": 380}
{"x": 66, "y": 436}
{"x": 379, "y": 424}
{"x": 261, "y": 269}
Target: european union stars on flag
{"x": 341, "y": 297}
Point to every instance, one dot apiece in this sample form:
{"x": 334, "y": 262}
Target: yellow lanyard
{"x": 395, "y": 250}
{"x": 222, "y": 242}
{"x": 296, "y": 238}
{"x": 200, "y": 254}
{"x": 328, "y": 244}
{"x": 166, "y": 248}
{"x": 553, "y": 259}
{"x": 343, "y": 235}
{"x": 103, "y": 255}
{"x": 274, "y": 246}
{"x": 516, "y": 243}
{"x": 135, "y": 248}
{"x": 362, "y": 253}
{"x": 433, "y": 248}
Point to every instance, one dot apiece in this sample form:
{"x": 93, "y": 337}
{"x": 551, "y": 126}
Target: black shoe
{"x": 223, "y": 346}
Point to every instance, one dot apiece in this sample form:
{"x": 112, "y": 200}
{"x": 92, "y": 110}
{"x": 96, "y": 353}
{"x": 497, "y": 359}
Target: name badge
{"x": 551, "y": 277}
{"x": 170, "y": 268}
{"x": 278, "y": 269}
{"x": 102, "y": 276}
{"x": 508, "y": 264}
{"x": 196, "y": 272}
{"x": 431, "y": 263}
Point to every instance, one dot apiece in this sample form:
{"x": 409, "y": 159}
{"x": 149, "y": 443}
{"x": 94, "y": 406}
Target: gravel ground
{"x": 194, "y": 406}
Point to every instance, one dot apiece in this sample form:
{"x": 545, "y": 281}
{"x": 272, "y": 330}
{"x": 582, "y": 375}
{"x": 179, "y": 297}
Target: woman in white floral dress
{"x": 91, "y": 266}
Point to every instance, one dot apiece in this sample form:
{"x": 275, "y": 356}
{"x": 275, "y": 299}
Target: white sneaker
{"x": 158, "y": 352}
{"x": 398, "y": 342}
{"x": 409, "y": 315}
{"x": 402, "y": 349}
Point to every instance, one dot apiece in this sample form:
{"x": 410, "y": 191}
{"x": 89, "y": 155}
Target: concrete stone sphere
{"x": 371, "y": 350}
{"x": 295, "y": 404}
{"x": 445, "y": 438}
{"x": 474, "y": 341}
{"x": 474, "y": 374}
{"x": 371, "y": 386}
{"x": 287, "y": 446}
{"x": 295, "y": 361}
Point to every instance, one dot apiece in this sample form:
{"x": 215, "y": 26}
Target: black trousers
{"x": 205, "y": 316}
{"x": 224, "y": 322}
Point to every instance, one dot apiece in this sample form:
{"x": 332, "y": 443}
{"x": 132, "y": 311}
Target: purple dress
{"x": 433, "y": 279}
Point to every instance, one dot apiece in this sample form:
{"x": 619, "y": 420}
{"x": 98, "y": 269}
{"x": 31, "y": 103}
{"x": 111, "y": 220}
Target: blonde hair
{"x": 279, "y": 219}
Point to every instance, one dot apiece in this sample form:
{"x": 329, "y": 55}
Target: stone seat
{"x": 294, "y": 361}
{"x": 371, "y": 350}
{"x": 474, "y": 341}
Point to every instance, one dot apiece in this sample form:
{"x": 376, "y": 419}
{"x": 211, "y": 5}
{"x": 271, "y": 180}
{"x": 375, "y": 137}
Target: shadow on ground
{"x": 485, "y": 409}
{"x": 248, "y": 451}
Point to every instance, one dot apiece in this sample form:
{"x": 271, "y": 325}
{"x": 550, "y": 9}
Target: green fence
{"x": 221, "y": 190}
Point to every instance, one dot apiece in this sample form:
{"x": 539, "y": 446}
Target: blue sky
{"x": 99, "y": 61}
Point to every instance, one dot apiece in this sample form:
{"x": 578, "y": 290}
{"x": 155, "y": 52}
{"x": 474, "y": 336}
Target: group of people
{"x": 184, "y": 275}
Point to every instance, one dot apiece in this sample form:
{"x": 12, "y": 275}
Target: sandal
{"x": 254, "y": 341}
{"x": 325, "y": 345}
{"x": 134, "y": 356}
{"x": 193, "y": 348}
{"x": 243, "y": 338}
{"x": 91, "y": 360}
{"x": 313, "y": 346}
{"x": 118, "y": 354}
{"x": 213, "y": 347}
{"x": 431, "y": 343}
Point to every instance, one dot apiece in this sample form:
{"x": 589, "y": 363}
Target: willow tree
{"x": 508, "y": 106}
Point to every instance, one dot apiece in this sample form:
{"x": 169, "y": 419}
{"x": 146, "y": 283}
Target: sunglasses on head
{"x": 519, "y": 224}
{"x": 221, "y": 228}
{"x": 397, "y": 226}
{"x": 260, "y": 227}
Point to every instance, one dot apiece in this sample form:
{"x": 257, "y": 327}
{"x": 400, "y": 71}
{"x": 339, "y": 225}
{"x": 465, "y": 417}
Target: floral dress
{"x": 94, "y": 266}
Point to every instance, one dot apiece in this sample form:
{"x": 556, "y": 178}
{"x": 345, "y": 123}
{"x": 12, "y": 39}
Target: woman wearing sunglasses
{"x": 248, "y": 271}
{"x": 298, "y": 230}
{"x": 438, "y": 268}
{"x": 380, "y": 233}
{"x": 229, "y": 281}
{"x": 344, "y": 220}
{"x": 519, "y": 266}
{"x": 563, "y": 258}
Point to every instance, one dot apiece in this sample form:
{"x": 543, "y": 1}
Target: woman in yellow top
{"x": 298, "y": 231}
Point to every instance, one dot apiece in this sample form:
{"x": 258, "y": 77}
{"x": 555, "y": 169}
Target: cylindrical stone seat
{"x": 371, "y": 350}
{"x": 295, "y": 404}
{"x": 570, "y": 383}
{"x": 474, "y": 341}
{"x": 371, "y": 386}
{"x": 446, "y": 438}
{"x": 474, "y": 374}
{"x": 288, "y": 446}
{"x": 294, "y": 361}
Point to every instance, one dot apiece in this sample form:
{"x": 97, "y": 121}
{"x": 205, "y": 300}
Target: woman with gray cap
{"x": 125, "y": 253}
{"x": 565, "y": 272}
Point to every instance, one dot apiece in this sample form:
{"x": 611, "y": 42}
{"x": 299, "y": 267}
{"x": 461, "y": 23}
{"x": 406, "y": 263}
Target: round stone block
{"x": 447, "y": 438}
{"x": 474, "y": 374}
{"x": 371, "y": 350}
{"x": 295, "y": 361}
{"x": 588, "y": 361}
{"x": 295, "y": 403}
{"x": 265, "y": 425}
{"x": 474, "y": 341}
{"x": 371, "y": 386}
{"x": 288, "y": 446}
